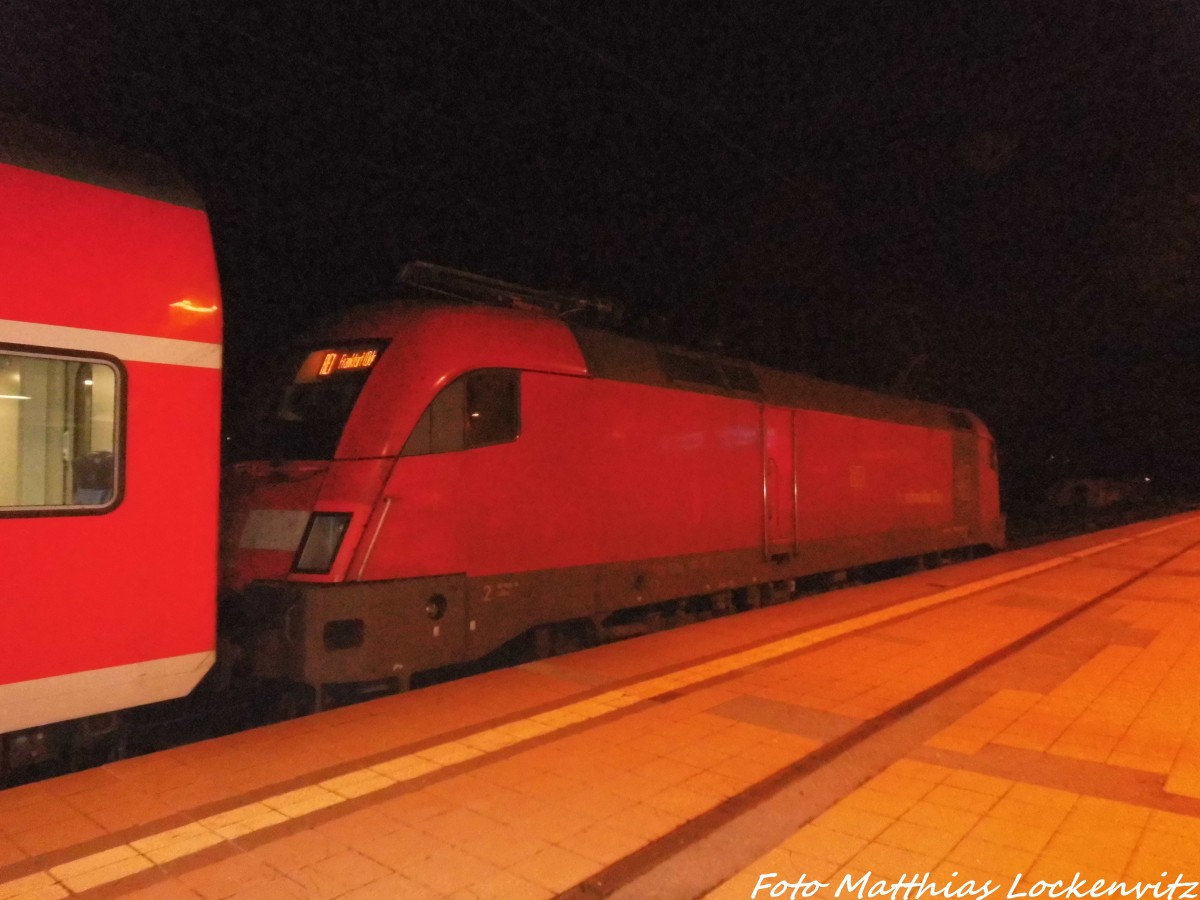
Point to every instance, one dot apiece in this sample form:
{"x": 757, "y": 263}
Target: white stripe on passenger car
{"x": 27, "y": 704}
{"x": 124, "y": 346}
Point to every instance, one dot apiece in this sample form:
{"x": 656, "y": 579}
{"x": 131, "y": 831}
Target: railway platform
{"x": 983, "y": 730}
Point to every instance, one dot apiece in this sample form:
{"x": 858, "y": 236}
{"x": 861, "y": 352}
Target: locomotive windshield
{"x": 316, "y": 403}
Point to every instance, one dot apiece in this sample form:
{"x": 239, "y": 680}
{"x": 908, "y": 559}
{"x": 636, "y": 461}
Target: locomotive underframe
{"x": 385, "y": 632}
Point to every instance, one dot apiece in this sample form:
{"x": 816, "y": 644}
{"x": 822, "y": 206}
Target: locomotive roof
{"x": 43, "y": 149}
{"x": 621, "y": 358}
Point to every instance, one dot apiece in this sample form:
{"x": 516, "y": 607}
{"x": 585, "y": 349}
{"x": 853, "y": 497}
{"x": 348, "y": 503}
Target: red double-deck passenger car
{"x": 109, "y": 437}
{"x": 435, "y": 480}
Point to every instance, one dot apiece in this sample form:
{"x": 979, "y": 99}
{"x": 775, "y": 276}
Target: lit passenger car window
{"x": 59, "y": 434}
{"x": 317, "y": 402}
{"x": 477, "y": 410}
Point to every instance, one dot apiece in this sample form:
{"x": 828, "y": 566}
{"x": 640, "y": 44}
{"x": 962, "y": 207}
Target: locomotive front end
{"x": 295, "y": 511}
{"x": 346, "y": 554}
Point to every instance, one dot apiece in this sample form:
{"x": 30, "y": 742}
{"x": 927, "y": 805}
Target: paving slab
{"x": 1020, "y": 712}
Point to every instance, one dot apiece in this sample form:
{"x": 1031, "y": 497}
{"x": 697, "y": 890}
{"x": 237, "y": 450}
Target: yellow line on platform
{"x": 123, "y": 860}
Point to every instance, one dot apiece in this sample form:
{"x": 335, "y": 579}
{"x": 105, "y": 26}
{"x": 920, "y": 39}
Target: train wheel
{"x": 746, "y": 598}
{"x": 558, "y": 638}
{"x": 544, "y": 642}
{"x": 294, "y": 701}
{"x": 723, "y": 603}
{"x": 585, "y": 633}
{"x": 94, "y": 741}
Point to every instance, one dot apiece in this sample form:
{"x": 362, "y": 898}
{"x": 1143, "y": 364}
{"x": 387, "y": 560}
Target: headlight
{"x": 320, "y": 544}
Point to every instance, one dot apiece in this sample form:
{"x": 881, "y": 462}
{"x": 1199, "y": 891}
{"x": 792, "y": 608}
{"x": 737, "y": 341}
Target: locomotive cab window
{"x": 479, "y": 409}
{"x": 59, "y": 434}
{"x": 318, "y": 400}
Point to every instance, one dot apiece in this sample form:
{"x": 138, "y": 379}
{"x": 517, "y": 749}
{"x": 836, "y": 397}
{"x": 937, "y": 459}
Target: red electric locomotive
{"x": 110, "y": 360}
{"x": 436, "y": 480}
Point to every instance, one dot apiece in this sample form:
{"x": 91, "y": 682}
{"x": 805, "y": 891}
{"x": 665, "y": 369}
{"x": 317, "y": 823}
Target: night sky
{"x": 992, "y": 206}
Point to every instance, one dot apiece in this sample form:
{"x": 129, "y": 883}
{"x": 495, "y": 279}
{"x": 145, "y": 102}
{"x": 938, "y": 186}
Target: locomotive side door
{"x": 780, "y": 500}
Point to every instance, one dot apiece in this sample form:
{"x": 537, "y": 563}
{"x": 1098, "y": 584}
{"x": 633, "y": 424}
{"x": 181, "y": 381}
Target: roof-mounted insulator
{"x": 471, "y": 288}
